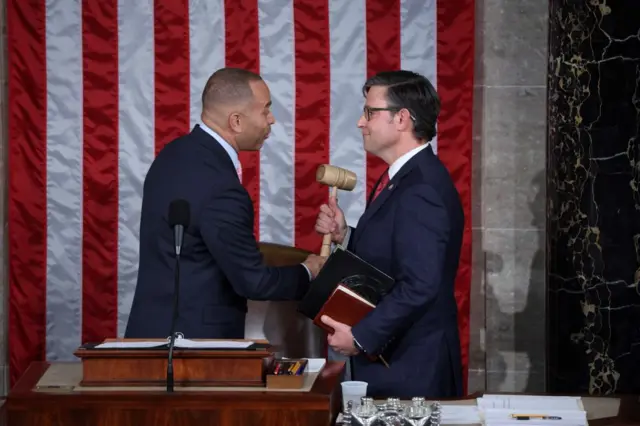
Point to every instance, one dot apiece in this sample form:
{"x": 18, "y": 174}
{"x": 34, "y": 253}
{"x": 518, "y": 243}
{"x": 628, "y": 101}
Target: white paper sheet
{"x": 212, "y": 344}
{"x": 530, "y": 401}
{"x": 460, "y": 415}
{"x": 525, "y": 410}
{"x": 180, "y": 343}
{"x": 128, "y": 345}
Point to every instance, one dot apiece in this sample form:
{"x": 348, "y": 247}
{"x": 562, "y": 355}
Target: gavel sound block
{"x": 335, "y": 177}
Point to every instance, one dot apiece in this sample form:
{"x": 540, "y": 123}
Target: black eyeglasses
{"x": 368, "y": 111}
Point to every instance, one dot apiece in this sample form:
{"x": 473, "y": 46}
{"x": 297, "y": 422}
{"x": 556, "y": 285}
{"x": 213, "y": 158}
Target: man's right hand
{"x": 331, "y": 221}
{"x": 314, "y": 263}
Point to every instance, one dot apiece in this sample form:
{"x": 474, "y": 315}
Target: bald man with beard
{"x": 220, "y": 263}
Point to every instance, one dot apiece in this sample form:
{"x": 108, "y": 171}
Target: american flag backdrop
{"x": 97, "y": 87}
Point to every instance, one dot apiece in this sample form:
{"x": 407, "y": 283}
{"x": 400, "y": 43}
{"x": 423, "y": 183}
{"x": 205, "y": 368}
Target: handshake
{"x": 331, "y": 222}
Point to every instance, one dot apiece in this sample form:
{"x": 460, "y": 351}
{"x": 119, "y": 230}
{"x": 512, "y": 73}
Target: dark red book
{"x": 345, "y": 306}
{"x": 348, "y": 307}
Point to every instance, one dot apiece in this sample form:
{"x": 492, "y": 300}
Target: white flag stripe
{"x": 64, "y": 177}
{"x": 206, "y": 48}
{"x": 347, "y": 27}
{"x": 136, "y": 144}
{"x": 419, "y": 37}
{"x": 275, "y": 23}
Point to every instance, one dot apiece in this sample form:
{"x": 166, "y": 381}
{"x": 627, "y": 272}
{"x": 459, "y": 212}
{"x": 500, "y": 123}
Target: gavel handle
{"x": 326, "y": 239}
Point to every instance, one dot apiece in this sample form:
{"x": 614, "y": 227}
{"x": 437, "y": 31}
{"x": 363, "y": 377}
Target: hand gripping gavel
{"x": 335, "y": 177}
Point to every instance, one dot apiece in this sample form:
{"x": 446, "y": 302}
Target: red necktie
{"x": 381, "y": 185}
{"x": 239, "y": 171}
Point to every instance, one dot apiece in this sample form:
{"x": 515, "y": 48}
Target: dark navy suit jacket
{"x": 413, "y": 232}
{"x": 220, "y": 264}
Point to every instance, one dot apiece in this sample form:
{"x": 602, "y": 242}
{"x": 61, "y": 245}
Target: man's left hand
{"x": 341, "y": 340}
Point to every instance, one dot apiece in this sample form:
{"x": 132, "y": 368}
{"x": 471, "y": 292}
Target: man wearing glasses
{"x": 412, "y": 230}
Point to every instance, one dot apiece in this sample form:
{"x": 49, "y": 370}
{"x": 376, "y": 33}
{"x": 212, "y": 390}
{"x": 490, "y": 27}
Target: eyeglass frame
{"x": 367, "y": 110}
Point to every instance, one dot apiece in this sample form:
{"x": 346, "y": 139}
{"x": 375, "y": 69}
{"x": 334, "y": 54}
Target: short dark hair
{"x": 410, "y": 90}
{"x": 228, "y": 85}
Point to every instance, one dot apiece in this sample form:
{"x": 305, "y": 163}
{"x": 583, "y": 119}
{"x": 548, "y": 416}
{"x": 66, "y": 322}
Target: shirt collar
{"x": 403, "y": 159}
{"x": 227, "y": 147}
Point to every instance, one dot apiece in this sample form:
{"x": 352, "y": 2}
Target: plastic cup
{"x": 353, "y": 390}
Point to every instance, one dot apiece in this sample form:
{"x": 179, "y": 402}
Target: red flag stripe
{"x": 100, "y": 170}
{"x": 312, "y": 103}
{"x": 171, "y": 72}
{"x": 242, "y": 47}
{"x": 27, "y": 149}
{"x": 27, "y": 203}
{"x": 383, "y": 54}
{"x": 455, "y": 88}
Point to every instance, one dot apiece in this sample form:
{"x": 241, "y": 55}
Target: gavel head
{"x": 336, "y": 176}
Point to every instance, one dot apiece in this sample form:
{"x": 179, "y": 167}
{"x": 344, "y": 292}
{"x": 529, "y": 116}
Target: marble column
{"x": 593, "y": 214}
{"x": 508, "y": 290}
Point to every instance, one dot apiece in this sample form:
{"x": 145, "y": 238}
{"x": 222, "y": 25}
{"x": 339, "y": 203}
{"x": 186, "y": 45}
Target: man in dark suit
{"x": 221, "y": 266}
{"x": 412, "y": 230}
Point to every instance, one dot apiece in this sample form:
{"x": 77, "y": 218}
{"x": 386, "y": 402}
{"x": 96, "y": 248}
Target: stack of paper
{"x": 459, "y": 415}
{"x": 181, "y": 343}
{"x": 212, "y": 344}
{"x": 522, "y": 410}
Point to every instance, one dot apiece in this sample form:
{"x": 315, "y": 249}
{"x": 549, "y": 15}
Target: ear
{"x": 235, "y": 122}
{"x": 403, "y": 118}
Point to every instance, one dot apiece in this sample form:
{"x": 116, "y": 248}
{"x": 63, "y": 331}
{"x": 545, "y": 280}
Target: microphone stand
{"x": 172, "y": 336}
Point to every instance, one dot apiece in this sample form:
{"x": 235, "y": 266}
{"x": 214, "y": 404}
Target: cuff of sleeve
{"x": 345, "y": 241}
{"x": 308, "y": 271}
{"x": 358, "y": 346}
{"x": 368, "y": 342}
{"x": 360, "y": 341}
{"x": 347, "y": 235}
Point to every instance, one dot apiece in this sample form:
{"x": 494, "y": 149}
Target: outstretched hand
{"x": 314, "y": 263}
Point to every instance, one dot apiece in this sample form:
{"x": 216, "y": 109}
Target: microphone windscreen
{"x": 179, "y": 213}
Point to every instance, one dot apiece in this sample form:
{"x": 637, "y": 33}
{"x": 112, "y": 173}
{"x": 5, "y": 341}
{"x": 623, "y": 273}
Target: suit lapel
{"x": 373, "y": 190}
{"x": 377, "y": 203}
{"x": 391, "y": 187}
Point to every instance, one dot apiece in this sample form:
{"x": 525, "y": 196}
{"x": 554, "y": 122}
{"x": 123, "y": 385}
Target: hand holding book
{"x": 346, "y": 290}
{"x": 345, "y": 306}
{"x": 342, "y": 340}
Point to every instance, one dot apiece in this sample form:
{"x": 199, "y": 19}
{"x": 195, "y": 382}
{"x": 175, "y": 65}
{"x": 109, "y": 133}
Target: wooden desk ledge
{"x": 317, "y": 406}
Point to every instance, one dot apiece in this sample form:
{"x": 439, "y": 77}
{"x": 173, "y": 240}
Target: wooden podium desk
{"x": 26, "y": 405}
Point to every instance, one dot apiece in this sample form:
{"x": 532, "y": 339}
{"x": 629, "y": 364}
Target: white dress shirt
{"x": 223, "y": 143}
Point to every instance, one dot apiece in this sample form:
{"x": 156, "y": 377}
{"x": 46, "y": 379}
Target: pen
{"x": 534, "y": 416}
{"x": 294, "y": 367}
{"x": 383, "y": 361}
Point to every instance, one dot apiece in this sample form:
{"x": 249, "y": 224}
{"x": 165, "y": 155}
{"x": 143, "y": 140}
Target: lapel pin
{"x": 390, "y": 186}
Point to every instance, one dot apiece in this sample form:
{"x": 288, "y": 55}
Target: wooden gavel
{"x": 335, "y": 177}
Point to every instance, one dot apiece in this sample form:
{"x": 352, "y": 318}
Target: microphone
{"x": 179, "y": 218}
